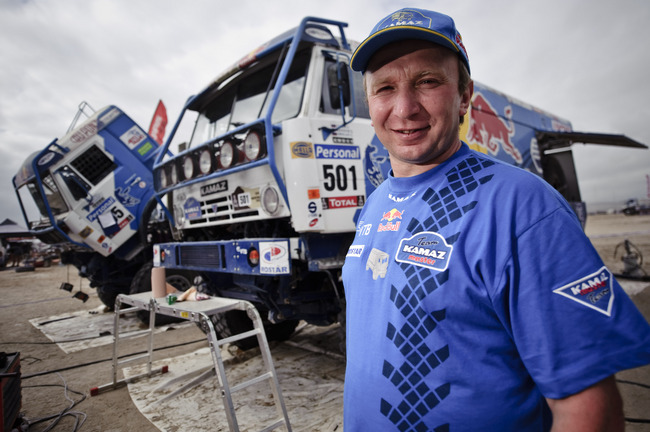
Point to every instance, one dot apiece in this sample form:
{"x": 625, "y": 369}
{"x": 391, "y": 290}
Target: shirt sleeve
{"x": 572, "y": 323}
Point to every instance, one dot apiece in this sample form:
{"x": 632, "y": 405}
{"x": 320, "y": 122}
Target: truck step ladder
{"x": 198, "y": 312}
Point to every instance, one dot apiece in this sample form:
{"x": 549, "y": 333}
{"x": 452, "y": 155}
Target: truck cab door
{"x": 97, "y": 217}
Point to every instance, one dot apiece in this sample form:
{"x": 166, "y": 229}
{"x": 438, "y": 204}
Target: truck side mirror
{"x": 339, "y": 84}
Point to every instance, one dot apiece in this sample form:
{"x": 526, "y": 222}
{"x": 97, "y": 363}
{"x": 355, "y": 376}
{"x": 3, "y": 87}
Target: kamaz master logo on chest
{"x": 425, "y": 249}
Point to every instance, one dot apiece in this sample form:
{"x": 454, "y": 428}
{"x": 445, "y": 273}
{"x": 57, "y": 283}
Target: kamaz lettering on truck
{"x": 92, "y": 192}
{"x": 282, "y": 155}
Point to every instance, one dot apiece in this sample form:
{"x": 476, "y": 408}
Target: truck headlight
{"x": 162, "y": 178}
{"x": 205, "y": 161}
{"x": 173, "y": 174}
{"x": 188, "y": 167}
{"x": 226, "y": 154}
{"x": 252, "y": 145}
{"x": 270, "y": 200}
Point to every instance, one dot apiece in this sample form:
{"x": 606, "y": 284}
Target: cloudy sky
{"x": 585, "y": 61}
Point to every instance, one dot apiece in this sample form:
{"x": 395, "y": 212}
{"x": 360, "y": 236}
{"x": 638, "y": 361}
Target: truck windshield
{"x": 35, "y": 204}
{"x": 247, "y": 98}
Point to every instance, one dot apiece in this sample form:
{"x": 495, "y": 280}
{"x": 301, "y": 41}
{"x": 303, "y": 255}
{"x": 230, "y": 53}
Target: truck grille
{"x": 221, "y": 210}
{"x": 201, "y": 256}
{"x": 93, "y": 164}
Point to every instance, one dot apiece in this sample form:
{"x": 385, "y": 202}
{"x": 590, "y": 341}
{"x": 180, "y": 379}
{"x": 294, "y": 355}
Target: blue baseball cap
{"x": 410, "y": 23}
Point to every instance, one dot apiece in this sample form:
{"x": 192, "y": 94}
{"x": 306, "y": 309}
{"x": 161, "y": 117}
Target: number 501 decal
{"x": 338, "y": 177}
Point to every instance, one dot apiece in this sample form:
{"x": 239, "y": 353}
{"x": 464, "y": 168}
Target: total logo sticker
{"x": 594, "y": 291}
{"x": 425, "y": 249}
{"x": 274, "y": 258}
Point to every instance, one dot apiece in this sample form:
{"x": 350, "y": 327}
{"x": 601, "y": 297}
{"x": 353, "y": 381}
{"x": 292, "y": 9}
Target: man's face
{"x": 412, "y": 89}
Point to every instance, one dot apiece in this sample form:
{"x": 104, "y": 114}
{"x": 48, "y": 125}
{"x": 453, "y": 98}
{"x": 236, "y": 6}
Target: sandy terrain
{"x": 309, "y": 369}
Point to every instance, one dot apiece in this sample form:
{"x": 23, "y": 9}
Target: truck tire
{"x": 108, "y": 293}
{"x": 142, "y": 283}
{"x": 236, "y": 322}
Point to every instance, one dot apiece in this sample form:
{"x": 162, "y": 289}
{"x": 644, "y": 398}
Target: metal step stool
{"x": 198, "y": 312}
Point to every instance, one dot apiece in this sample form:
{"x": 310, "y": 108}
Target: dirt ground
{"x": 309, "y": 370}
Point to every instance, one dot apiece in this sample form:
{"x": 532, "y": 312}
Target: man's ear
{"x": 466, "y": 98}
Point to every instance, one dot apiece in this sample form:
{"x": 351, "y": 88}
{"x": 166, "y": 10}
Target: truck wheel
{"x": 236, "y": 322}
{"x": 108, "y": 293}
{"x": 142, "y": 283}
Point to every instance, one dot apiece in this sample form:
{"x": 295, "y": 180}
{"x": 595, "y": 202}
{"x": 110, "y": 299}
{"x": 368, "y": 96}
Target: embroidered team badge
{"x": 594, "y": 291}
{"x": 378, "y": 263}
{"x": 425, "y": 249}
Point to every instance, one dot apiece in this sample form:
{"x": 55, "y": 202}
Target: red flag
{"x": 159, "y": 123}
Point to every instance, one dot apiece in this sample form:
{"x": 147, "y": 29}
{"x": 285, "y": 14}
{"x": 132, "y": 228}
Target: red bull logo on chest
{"x": 392, "y": 223}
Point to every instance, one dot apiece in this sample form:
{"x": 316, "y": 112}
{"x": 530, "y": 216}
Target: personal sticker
{"x": 328, "y": 151}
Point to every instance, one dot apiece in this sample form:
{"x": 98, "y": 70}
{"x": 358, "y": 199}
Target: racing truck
{"x": 276, "y": 158}
{"x": 91, "y": 193}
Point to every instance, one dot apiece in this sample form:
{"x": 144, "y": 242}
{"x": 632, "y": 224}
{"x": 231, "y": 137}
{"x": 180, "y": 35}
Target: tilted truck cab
{"x": 92, "y": 191}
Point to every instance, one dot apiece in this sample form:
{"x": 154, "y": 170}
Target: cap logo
{"x": 401, "y": 18}
{"x": 411, "y": 23}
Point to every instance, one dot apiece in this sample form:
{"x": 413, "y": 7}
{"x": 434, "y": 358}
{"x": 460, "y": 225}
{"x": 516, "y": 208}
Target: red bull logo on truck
{"x": 506, "y": 128}
{"x": 492, "y": 130}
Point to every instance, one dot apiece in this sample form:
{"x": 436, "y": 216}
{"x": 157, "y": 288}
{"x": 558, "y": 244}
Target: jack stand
{"x": 632, "y": 261}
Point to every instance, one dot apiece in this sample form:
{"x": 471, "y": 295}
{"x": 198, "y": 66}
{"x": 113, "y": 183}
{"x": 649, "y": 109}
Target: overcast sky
{"x": 585, "y": 61}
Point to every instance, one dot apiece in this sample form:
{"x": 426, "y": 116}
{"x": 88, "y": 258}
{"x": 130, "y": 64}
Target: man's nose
{"x": 406, "y": 103}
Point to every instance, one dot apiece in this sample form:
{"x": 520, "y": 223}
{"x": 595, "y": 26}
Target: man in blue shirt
{"x": 474, "y": 299}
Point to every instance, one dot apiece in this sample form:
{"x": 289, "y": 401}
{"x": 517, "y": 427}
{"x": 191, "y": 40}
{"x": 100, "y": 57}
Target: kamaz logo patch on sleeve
{"x": 425, "y": 249}
{"x": 594, "y": 291}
